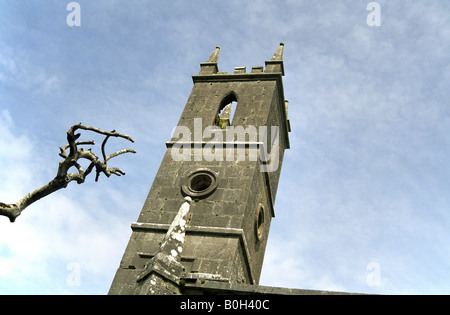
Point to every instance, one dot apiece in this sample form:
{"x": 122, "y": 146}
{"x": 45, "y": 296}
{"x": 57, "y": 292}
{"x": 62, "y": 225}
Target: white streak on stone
{"x": 178, "y": 236}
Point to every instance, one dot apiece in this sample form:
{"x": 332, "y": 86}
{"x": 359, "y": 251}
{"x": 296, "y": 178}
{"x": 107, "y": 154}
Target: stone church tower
{"x": 205, "y": 223}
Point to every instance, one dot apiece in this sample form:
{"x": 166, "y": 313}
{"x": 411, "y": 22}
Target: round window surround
{"x": 200, "y": 183}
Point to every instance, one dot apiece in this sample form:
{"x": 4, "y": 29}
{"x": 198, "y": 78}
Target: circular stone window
{"x": 200, "y": 183}
{"x": 259, "y": 222}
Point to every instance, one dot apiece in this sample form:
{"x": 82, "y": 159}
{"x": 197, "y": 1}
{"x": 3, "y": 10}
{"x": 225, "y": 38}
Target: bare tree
{"x": 63, "y": 177}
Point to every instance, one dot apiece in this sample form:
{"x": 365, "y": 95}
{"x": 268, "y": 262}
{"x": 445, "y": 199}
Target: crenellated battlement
{"x": 274, "y": 65}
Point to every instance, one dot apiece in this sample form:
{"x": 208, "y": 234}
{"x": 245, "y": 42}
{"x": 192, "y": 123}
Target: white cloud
{"x": 15, "y": 157}
{"x": 286, "y": 265}
{"x": 20, "y": 69}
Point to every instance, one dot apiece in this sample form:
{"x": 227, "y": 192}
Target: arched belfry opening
{"x": 226, "y": 111}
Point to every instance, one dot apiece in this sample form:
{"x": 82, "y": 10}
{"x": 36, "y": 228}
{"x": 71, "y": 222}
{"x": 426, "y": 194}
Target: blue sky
{"x": 364, "y": 189}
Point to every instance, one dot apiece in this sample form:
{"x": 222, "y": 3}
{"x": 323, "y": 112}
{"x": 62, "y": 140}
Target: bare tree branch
{"x": 63, "y": 177}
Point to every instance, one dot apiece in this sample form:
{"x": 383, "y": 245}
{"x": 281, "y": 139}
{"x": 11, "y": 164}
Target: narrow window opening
{"x": 259, "y": 222}
{"x": 226, "y": 112}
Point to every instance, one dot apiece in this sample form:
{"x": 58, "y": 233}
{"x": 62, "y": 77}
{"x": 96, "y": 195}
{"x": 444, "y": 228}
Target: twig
{"x": 63, "y": 177}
